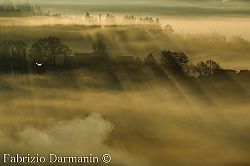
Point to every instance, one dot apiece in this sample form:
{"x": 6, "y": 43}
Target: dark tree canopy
{"x": 206, "y": 68}
{"x": 7, "y": 8}
{"x": 5, "y": 46}
{"x": 168, "y": 29}
{"x": 48, "y": 48}
{"x": 20, "y": 46}
{"x": 12, "y": 56}
{"x": 99, "y": 46}
{"x": 173, "y": 60}
{"x": 36, "y": 52}
{"x": 8, "y": 46}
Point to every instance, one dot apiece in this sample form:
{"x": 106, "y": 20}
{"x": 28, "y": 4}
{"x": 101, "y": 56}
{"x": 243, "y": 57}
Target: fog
{"x": 140, "y": 115}
{"x": 190, "y": 36}
{"x": 225, "y": 26}
{"x": 154, "y": 124}
{"x": 227, "y": 17}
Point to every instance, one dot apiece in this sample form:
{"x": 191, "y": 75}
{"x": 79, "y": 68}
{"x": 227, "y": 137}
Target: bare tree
{"x": 206, "y": 68}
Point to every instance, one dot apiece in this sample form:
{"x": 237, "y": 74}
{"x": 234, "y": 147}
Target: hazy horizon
{"x": 190, "y": 8}
{"x": 190, "y": 16}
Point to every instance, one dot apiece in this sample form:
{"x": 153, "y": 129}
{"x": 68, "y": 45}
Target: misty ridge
{"x": 129, "y": 86}
{"x": 134, "y": 50}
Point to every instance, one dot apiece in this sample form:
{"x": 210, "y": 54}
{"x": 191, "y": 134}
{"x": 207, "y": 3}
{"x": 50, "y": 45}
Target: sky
{"x": 191, "y": 8}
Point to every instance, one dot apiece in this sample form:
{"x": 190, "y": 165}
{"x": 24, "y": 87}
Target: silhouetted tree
{"x": 19, "y": 55}
{"x": 5, "y": 55}
{"x": 12, "y": 55}
{"x": 240, "y": 41}
{"x": 38, "y": 10}
{"x": 206, "y": 68}
{"x": 149, "y": 23}
{"x": 47, "y": 49}
{"x": 157, "y": 21}
{"x": 110, "y": 20}
{"x": 20, "y": 46}
{"x": 168, "y": 29}
{"x": 129, "y": 21}
{"x": 173, "y": 60}
{"x": 36, "y": 52}
{"x": 6, "y": 46}
{"x": 7, "y": 8}
{"x": 216, "y": 38}
{"x": 26, "y": 8}
{"x": 99, "y": 46}
{"x": 89, "y": 18}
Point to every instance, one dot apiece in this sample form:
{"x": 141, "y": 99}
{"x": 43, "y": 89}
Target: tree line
{"x": 7, "y": 8}
{"x": 14, "y": 57}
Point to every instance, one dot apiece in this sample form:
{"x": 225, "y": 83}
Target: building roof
{"x": 225, "y": 71}
{"x": 82, "y": 54}
{"x": 150, "y": 59}
{"x": 124, "y": 59}
{"x": 80, "y": 59}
